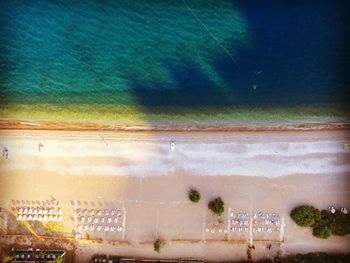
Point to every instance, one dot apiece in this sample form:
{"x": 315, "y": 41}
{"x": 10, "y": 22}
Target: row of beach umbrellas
{"x": 39, "y": 217}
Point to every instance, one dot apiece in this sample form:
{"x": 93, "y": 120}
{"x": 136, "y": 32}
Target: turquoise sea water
{"x": 174, "y": 59}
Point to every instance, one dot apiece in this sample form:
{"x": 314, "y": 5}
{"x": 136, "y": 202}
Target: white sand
{"x": 272, "y": 172}
{"x": 209, "y": 154}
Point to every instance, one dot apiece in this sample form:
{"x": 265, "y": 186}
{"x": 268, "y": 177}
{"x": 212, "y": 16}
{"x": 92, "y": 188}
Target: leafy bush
{"x": 305, "y": 215}
{"x": 321, "y": 231}
{"x": 157, "y": 245}
{"x": 194, "y": 195}
{"x": 341, "y": 224}
{"x": 324, "y": 223}
{"x": 217, "y": 206}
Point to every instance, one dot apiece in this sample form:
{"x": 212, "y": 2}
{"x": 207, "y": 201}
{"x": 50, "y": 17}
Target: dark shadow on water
{"x": 297, "y": 57}
{"x": 190, "y": 87}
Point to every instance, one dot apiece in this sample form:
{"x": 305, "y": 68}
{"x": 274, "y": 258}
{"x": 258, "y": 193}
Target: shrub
{"x": 321, "y": 231}
{"x": 341, "y": 224}
{"x": 194, "y": 195}
{"x": 157, "y": 245}
{"x": 217, "y": 206}
{"x": 305, "y": 215}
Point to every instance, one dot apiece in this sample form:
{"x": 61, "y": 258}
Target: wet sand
{"x": 137, "y": 172}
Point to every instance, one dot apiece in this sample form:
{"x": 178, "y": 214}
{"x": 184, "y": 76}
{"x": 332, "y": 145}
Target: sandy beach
{"x": 137, "y": 173}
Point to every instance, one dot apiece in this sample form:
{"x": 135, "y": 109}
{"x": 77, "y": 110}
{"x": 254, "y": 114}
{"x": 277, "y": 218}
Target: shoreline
{"x": 13, "y": 124}
{"x": 136, "y": 172}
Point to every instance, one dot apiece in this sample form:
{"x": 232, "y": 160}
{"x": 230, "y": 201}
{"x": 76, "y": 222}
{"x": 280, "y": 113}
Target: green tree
{"x": 217, "y": 206}
{"x": 194, "y": 196}
{"x": 341, "y": 224}
{"x": 157, "y": 245}
{"x": 321, "y": 231}
{"x": 305, "y": 215}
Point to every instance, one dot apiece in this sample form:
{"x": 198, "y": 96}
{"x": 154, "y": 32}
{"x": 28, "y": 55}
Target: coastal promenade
{"x": 137, "y": 177}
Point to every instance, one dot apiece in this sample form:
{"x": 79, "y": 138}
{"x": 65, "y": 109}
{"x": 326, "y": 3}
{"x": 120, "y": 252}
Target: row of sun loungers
{"x": 239, "y": 215}
{"x": 103, "y": 212}
{"x": 264, "y": 230}
{"x": 99, "y": 228}
{"x": 39, "y": 218}
{"x": 28, "y": 256}
{"x": 264, "y": 215}
{"x": 38, "y": 211}
{"x": 239, "y": 222}
{"x": 267, "y": 222}
{"x": 213, "y": 231}
{"x": 98, "y": 219}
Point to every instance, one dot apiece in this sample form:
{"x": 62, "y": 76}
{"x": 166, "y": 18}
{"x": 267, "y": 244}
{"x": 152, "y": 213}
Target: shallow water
{"x": 164, "y": 60}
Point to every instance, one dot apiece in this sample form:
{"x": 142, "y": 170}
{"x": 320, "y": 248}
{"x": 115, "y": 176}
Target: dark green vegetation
{"x": 194, "y": 196}
{"x": 157, "y": 245}
{"x": 305, "y": 215}
{"x": 217, "y": 206}
{"x": 324, "y": 223}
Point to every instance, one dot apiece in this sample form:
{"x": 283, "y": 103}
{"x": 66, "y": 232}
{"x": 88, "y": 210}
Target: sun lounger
{"x": 60, "y": 218}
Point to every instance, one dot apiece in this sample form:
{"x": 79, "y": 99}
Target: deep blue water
{"x": 248, "y": 54}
